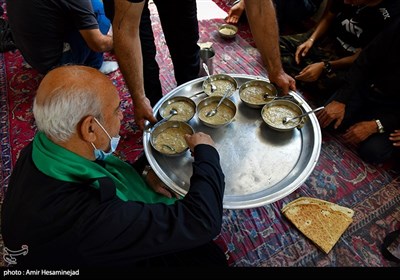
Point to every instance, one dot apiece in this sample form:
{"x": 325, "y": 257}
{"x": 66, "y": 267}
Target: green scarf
{"x": 62, "y": 164}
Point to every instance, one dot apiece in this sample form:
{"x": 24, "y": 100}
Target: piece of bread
{"x": 323, "y": 222}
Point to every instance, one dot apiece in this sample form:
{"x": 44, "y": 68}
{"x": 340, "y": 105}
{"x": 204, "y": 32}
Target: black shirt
{"x": 39, "y": 27}
{"x": 356, "y": 26}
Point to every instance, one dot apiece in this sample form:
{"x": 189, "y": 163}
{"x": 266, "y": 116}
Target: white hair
{"x": 60, "y": 114}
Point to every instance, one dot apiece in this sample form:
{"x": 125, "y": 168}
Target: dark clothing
{"x": 40, "y": 28}
{"x": 371, "y": 91}
{"x": 180, "y": 26}
{"x": 353, "y": 27}
{"x": 294, "y": 11}
{"x": 74, "y": 224}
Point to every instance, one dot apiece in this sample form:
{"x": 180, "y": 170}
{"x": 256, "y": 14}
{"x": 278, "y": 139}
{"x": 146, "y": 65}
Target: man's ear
{"x": 87, "y": 128}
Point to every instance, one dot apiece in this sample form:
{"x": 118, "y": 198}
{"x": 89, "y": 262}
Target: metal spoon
{"x": 213, "y": 87}
{"x": 214, "y": 111}
{"x": 272, "y": 98}
{"x": 286, "y": 119}
{"x": 172, "y": 112}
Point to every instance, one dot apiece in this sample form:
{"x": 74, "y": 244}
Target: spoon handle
{"x": 309, "y": 112}
{"x": 223, "y": 97}
{"x": 206, "y": 69}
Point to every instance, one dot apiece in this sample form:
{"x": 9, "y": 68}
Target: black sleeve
{"x": 125, "y": 232}
{"x": 81, "y": 14}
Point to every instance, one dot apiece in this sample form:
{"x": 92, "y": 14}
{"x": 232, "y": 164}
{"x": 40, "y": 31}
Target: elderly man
{"x": 262, "y": 19}
{"x": 78, "y": 205}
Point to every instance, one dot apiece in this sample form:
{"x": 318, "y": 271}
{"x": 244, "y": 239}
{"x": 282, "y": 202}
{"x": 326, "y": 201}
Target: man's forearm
{"x": 127, "y": 46}
{"x": 264, "y": 27}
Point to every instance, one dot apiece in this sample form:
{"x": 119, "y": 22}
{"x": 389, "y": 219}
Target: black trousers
{"x": 180, "y": 27}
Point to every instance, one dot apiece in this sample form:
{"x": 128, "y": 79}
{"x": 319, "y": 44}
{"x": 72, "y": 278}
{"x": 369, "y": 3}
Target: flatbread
{"x": 321, "y": 221}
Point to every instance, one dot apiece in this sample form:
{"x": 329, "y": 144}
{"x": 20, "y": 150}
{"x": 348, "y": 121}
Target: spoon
{"x": 269, "y": 98}
{"x": 214, "y": 111}
{"x": 286, "y": 119}
{"x": 213, "y": 87}
{"x": 172, "y": 112}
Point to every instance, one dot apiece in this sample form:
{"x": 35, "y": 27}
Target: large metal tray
{"x": 261, "y": 165}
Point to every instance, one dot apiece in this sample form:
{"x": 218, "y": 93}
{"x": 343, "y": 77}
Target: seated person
{"x": 366, "y": 108}
{"x": 287, "y": 11}
{"x": 78, "y": 205}
{"x": 52, "y": 33}
{"x": 320, "y": 58}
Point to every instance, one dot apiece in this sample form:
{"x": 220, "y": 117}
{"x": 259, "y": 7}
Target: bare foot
{"x": 235, "y": 12}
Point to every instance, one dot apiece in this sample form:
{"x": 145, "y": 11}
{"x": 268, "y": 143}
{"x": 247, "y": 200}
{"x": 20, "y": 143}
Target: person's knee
{"x": 375, "y": 149}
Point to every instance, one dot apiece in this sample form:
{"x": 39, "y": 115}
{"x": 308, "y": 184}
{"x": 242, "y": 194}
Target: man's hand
{"x": 283, "y": 81}
{"x": 311, "y": 72}
{"x": 302, "y": 50}
{"x": 143, "y": 111}
{"x": 360, "y": 131}
{"x": 198, "y": 138}
{"x": 395, "y": 137}
{"x": 158, "y": 186}
{"x": 334, "y": 111}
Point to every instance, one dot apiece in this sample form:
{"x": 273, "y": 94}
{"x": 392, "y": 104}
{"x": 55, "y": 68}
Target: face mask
{"x": 100, "y": 154}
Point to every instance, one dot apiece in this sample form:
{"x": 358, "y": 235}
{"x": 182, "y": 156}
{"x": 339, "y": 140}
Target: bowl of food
{"x": 220, "y": 83}
{"x": 274, "y": 112}
{"x": 227, "y": 31}
{"x": 225, "y": 113}
{"x": 257, "y": 93}
{"x": 184, "y": 107}
{"x": 168, "y": 138}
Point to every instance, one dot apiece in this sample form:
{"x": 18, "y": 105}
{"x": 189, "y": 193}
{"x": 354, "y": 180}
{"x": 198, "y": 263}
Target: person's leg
{"x": 181, "y": 30}
{"x": 377, "y": 148}
{"x": 77, "y": 50}
{"x": 288, "y": 45}
{"x": 151, "y": 70}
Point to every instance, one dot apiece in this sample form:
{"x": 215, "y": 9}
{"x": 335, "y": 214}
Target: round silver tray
{"x": 261, "y": 165}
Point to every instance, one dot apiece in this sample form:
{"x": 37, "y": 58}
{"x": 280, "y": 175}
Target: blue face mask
{"x": 100, "y": 154}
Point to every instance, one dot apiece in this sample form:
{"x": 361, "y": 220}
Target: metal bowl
{"x": 168, "y": 137}
{"x": 273, "y": 113}
{"x": 257, "y": 93}
{"x": 227, "y": 31}
{"x": 225, "y": 114}
{"x": 185, "y": 107}
{"x": 222, "y": 82}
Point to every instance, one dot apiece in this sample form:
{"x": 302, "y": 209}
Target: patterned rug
{"x": 251, "y": 237}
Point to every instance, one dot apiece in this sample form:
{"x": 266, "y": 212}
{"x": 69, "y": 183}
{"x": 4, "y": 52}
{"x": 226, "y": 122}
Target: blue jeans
{"x": 79, "y": 52}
